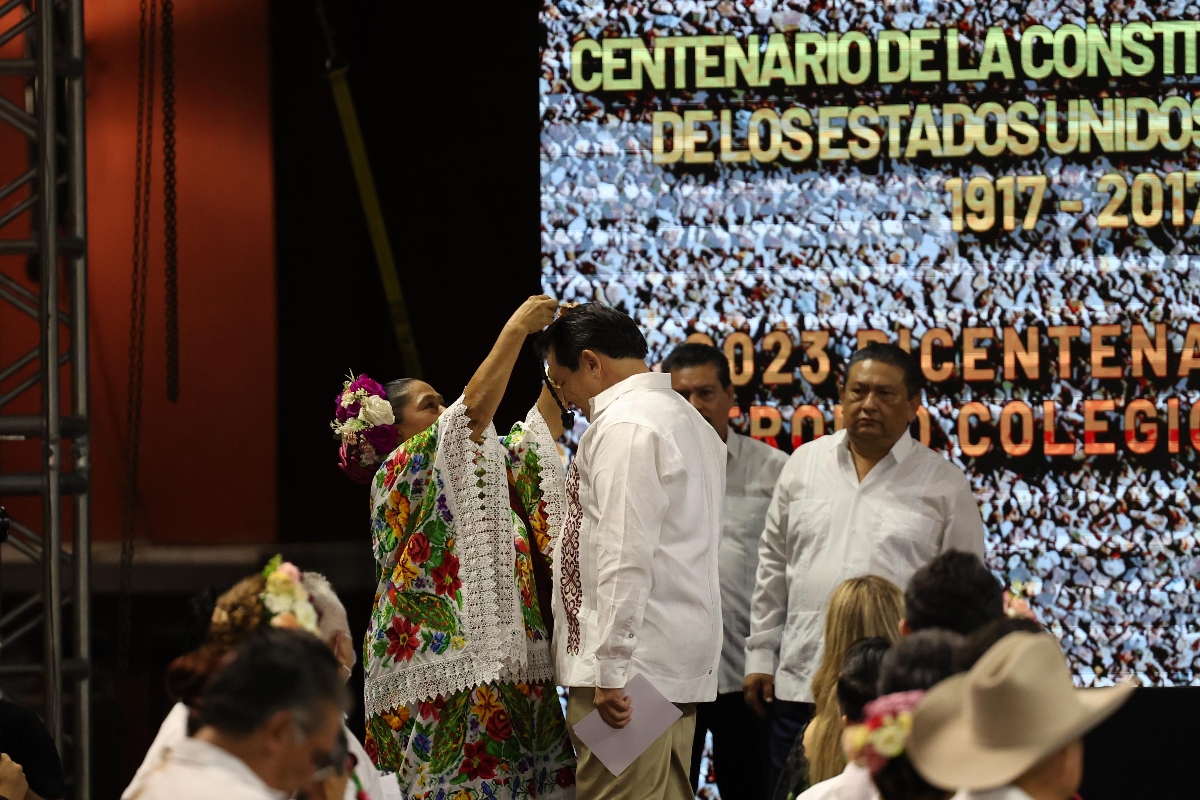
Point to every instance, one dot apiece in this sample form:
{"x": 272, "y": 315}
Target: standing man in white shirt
{"x": 867, "y": 499}
{"x": 700, "y": 373}
{"x": 636, "y": 569}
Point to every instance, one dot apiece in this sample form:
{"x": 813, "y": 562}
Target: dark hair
{"x": 918, "y": 661}
{"x": 979, "y": 642}
{"x": 274, "y": 670}
{"x": 592, "y": 326}
{"x": 200, "y": 609}
{"x": 896, "y": 356}
{"x": 857, "y": 683}
{"x": 696, "y": 354}
{"x": 955, "y": 592}
{"x": 397, "y": 394}
{"x": 236, "y": 613}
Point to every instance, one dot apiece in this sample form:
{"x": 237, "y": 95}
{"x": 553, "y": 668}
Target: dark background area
{"x": 449, "y": 115}
{"x": 448, "y": 109}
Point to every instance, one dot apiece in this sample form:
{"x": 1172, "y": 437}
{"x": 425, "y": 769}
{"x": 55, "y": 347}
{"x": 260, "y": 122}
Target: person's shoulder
{"x": 820, "y": 447}
{"x": 937, "y": 462}
{"x": 765, "y": 456}
{"x": 825, "y": 790}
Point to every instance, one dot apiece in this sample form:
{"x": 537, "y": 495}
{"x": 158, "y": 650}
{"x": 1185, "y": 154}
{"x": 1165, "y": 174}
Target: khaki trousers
{"x": 660, "y": 773}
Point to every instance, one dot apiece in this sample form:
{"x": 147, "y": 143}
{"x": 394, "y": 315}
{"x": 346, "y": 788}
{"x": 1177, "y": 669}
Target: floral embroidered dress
{"x": 459, "y": 694}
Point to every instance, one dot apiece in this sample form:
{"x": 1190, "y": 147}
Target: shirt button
{"x": 631, "y": 636}
{"x": 710, "y": 672}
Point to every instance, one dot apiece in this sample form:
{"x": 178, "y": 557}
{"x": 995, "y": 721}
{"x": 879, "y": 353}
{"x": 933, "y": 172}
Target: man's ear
{"x": 841, "y": 391}
{"x": 914, "y": 404}
{"x": 278, "y": 732}
{"x": 904, "y": 628}
{"x": 589, "y": 360}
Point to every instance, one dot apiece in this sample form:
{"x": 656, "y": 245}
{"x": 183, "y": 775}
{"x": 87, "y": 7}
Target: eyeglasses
{"x": 568, "y": 417}
{"x": 337, "y": 761}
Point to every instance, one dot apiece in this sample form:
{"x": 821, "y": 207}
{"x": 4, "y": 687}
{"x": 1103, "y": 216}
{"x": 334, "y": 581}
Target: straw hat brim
{"x": 947, "y": 753}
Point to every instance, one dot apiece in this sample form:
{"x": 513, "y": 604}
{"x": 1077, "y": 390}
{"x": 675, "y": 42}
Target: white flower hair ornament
{"x": 285, "y": 598}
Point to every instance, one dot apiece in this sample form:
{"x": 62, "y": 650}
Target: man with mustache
{"x": 866, "y": 500}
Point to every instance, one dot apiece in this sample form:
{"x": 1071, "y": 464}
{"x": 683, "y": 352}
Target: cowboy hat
{"x": 1017, "y": 706}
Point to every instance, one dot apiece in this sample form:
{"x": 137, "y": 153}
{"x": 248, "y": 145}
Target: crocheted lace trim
{"x": 491, "y": 616}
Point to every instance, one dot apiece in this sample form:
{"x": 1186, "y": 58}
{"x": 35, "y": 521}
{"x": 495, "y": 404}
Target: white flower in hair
{"x": 278, "y": 602}
{"x": 376, "y": 411}
{"x": 306, "y": 615}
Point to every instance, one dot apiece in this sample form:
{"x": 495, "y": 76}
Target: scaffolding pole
{"x": 43, "y": 282}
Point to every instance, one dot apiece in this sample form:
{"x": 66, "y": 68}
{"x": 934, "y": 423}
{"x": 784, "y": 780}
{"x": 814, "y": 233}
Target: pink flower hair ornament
{"x": 366, "y": 427}
{"x": 883, "y": 734}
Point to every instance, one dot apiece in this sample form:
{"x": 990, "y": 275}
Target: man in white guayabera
{"x": 866, "y": 500}
{"x": 636, "y": 570}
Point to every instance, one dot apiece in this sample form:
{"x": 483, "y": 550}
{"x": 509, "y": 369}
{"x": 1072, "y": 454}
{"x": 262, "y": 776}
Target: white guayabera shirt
{"x": 173, "y": 731}
{"x": 197, "y": 770}
{"x": 824, "y": 527}
{"x": 636, "y": 569}
{"x": 751, "y": 472}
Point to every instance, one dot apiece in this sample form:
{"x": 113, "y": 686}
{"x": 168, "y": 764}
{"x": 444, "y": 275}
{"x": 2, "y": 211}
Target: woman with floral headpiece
{"x": 460, "y": 698}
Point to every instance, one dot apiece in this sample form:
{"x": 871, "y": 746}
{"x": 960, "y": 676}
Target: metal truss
{"x": 43, "y": 285}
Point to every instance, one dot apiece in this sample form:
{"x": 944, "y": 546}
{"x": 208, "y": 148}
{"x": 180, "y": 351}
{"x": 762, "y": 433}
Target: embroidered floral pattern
{"x": 499, "y": 740}
{"x": 570, "y": 581}
{"x": 493, "y": 739}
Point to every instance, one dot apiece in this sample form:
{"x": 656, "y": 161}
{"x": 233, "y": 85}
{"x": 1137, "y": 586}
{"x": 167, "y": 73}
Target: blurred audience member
{"x": 880, "y": 743}
{"x": 857, "y": 686}
{"x": 25, "y": 740}
{"x": 13, "y": 784}
{"x": 954, "y": 592}
{"x": 860, "y": 607}
{"x": 300, "y": 599}
{"x": 272, "y": 725}
{"x": 1012, "y": 728}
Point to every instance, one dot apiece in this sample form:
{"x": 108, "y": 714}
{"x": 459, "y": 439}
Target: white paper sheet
{"x": 617, "y": 748}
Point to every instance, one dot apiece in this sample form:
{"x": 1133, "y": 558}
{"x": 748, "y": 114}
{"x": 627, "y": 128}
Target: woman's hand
{"x": 534, "y": 314}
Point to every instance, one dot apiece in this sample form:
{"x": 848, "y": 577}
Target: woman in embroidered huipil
{"x": 460, "y": 696}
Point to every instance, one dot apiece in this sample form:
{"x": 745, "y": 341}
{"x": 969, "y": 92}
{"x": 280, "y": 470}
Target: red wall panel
{"x": 208, "y": 470}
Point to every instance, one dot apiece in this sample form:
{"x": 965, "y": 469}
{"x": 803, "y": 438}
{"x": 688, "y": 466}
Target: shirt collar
{"x": 900, "y": 450}
{"x": 645, "y": 380}
{"x": 733, "y": 445}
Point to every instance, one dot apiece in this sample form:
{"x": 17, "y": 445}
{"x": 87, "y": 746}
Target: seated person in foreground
{"x": 914, "y": 665}
{"x": 25, "y": 740}
{"x": 857, "y": 685}
{"x": 1012, "y": 728}
{"x": 272, "y": 726}
{"x": 303, "y": 600}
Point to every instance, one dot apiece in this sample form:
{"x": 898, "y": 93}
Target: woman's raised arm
{"x": 486, "y": 388}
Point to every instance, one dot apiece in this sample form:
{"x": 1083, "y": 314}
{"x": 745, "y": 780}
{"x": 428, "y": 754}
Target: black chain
{"x": 137, "y": 319}
{"x": 170, "y": 233}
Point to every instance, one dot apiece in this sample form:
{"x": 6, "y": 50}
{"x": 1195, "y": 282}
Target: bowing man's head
{"x": 590, "y": 348}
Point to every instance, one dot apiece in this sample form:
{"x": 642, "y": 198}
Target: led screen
{"x": 1010, "y": 191}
